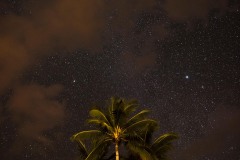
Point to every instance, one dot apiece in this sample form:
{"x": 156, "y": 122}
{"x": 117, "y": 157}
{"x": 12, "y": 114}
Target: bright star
{"x": 186, "y": 76}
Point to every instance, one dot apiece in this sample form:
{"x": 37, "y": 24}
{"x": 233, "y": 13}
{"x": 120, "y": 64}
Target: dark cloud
{"x": 35, "y": 110}
{"x": 60, "y": 25}
{"x": 182, "y": 10}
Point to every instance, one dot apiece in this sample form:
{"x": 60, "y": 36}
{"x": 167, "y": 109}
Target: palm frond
{"x": 83, "y": 153}
{"x": 112, "y": 108}
{"x": 147, "y": 134}
{"x": 139, "y": 116}
{"x": 140, "y": 150}
{"x": 85, "y": 135}
{"x": 167, "y": 137}
{"x": 130, "y": 106}
{"x": 133, "y": 137}
{"x": 118, "y": 113}
{"x": 163, "y": 143}
{"x": 111, "y": 157}
{"x": 95, "y": 113}
{"x": 104, "y": 126}
{"x": 99, "y": 151}
{"x": 139, "y": 126}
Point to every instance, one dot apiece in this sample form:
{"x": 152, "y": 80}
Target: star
{"x": 183, "y": 67}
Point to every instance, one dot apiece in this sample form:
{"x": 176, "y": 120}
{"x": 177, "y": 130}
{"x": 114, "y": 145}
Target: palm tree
{"x": 115, "y": 126}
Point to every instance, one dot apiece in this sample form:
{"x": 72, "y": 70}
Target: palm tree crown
{"x": 118, "y": 125}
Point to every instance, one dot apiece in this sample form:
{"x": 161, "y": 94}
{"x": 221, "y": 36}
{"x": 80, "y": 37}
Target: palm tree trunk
{"x": 116, "y": 150}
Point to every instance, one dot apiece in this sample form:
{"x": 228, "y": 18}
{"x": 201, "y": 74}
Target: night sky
{"x": 178, "y": 58}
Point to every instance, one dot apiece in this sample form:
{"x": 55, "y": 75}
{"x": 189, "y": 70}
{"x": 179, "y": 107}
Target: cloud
{"x": 45, "y": 27}
{"x": 182, "y": 10}
{"x": 36, "y": 114}
{"x": 35, "y": 110}
{"x": 222, "y": 134}
{"x": 51, "y": 26}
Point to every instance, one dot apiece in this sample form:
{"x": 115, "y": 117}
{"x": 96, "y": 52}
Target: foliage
{"x": 118, "y": 125}
{"x": 158, "y": 148}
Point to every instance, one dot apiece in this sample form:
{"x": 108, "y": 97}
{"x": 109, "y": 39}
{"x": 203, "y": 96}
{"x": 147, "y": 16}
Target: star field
{"x": 185, "y": 70}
